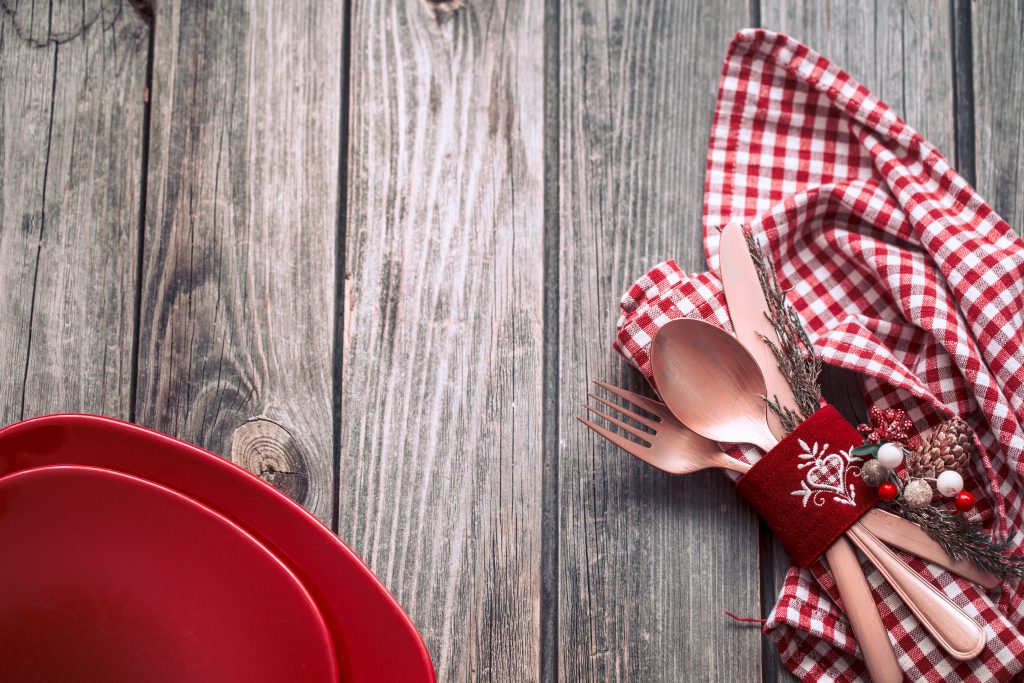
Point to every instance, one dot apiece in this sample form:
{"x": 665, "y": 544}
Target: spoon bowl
{"x": 705, "y": 375}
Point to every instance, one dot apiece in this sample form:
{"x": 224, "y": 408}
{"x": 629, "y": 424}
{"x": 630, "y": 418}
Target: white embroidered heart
{"x": 825, "y": 479}
{"x": 828, "y": 474}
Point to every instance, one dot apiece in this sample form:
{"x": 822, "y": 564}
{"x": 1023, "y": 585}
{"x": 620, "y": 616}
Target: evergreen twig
{"x": 964, "y": 539}
{"x": 793, "y": 353}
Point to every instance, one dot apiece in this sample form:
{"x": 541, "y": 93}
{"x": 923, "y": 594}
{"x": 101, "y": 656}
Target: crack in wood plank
{"x": 70, "y": 184}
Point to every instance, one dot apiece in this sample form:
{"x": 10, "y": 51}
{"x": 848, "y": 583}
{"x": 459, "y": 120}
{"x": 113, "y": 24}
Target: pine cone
{"x": 948, "y": 448}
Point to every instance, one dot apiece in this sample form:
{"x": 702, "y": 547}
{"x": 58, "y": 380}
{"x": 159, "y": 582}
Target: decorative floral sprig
{"x": 912, "y": 497}
{"x": 793, "y": 353}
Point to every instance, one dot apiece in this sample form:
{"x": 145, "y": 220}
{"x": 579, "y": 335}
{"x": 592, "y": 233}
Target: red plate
{"x": 372, "y": 638}
{"x": 113, "y": 578}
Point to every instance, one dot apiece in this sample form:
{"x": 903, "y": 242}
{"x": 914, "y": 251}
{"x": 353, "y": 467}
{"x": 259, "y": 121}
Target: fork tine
{"x": 631, "y": 447}
{"x": 635, "y": 431}
{"x": 651, "y": 406}
{"x": 653, "y": 424}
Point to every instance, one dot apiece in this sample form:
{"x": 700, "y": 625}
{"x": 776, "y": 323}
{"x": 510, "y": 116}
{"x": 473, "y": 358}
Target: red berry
{"x": 963, "y": 501}
{"x": 888, "y": 491}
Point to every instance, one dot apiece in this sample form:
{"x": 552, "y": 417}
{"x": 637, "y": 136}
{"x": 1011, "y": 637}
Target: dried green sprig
{"x": 793, "y": 353}
{"x": 960, "y": 537}
{"x": 964, "y": 539}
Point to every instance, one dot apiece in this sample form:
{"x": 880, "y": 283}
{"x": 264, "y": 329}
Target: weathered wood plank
{"x": 998, "y": 52}
{"x": 441, "y": 431}
{"x": 71, "y": 126}
{"x": 901, "y": 52}
{"x": 647, "y": 562}
{"x": 238, "y": 285}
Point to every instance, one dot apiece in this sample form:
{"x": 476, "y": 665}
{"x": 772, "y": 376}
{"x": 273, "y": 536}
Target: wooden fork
{"x": 674, "y": 448}
{"x": 670, "y": 446}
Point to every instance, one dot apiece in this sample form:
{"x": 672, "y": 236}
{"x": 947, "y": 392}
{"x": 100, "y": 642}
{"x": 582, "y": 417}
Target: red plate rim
{"x": 373, "y": 637}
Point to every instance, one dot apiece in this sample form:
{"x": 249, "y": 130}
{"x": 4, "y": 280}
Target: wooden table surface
{"x": 373, "y": 254}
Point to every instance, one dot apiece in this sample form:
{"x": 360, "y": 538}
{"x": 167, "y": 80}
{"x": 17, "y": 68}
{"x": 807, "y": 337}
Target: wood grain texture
{"x": 647, "y": 561}
{"x": 998, "y": 27}
{"x": 901, "y": 51}
{"x": 441, "y": 431}
{"x": 447, "y": 301}
{"x": 71, "y": 125}
{"x": 239, "y": 260}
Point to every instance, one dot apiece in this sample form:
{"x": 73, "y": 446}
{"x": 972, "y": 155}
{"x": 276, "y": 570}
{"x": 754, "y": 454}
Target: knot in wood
{"x": 442, "y": 8}
{"x": 269, "y": 451}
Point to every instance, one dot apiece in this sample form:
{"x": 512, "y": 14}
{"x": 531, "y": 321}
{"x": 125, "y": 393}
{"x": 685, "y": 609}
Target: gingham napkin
{"x": 899, "y": 270}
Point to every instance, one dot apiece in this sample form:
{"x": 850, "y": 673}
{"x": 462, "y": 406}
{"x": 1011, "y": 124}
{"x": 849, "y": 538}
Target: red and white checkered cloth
{"x": 900, "y": 271}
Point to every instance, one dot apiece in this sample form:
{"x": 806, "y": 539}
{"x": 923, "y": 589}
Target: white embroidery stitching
{"x": 826, "y": 475}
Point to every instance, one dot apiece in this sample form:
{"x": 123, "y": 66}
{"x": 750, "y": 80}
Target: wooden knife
{"x": 748, "y": 309}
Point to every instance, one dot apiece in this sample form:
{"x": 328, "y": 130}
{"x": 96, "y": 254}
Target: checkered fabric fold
{"x": 900, "y": 271}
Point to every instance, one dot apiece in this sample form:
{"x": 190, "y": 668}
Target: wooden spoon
{"x": 714, "y": 386}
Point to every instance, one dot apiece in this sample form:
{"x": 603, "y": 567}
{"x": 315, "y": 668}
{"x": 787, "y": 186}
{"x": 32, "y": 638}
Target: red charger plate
{"x": 115, "y": 579}
{"x": 372, "y": 638}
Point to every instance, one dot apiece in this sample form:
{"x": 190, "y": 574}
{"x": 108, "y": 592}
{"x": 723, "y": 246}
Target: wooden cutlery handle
{"x": 954, "y": 631}
{"x": 862, "y": 612}
{"x": 905, "y": 535}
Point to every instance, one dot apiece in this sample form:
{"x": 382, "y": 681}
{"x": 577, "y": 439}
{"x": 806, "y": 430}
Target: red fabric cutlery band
{"x": 808, "y": 488}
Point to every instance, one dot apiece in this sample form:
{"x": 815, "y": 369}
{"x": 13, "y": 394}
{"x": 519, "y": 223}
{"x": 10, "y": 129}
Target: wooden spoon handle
{"x": 954, "y": 631}
{"x": 862, "y": 611}
{"x": 905, "y": 535}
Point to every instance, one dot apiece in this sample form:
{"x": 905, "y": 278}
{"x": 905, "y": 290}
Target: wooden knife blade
{"x": 748, "y": 310}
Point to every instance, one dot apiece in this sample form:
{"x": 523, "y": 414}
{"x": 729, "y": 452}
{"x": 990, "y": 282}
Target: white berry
{"x": 949, "y": 483}
{"x": 890, "y": 455}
